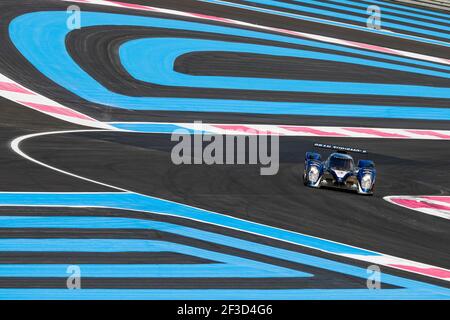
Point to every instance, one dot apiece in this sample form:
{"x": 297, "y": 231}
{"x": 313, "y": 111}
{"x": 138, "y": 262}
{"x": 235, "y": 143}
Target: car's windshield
{"x": 341, "y": 164}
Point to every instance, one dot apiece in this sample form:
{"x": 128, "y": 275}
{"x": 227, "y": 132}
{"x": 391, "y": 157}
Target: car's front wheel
{"x": 305, "y": 178}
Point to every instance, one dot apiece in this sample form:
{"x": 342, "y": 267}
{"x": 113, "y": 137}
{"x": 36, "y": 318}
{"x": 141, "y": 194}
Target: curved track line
{"x": 15, "y": 145}
{"x": 373, "y": 257}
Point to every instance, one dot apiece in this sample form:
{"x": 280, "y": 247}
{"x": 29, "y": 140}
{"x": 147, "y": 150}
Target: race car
{"x": 339, "y": 170}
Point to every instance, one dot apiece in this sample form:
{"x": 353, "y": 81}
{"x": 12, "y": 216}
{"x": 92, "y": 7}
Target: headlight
{"x": 313, "y": 174}
{"x": 366, "y": 181}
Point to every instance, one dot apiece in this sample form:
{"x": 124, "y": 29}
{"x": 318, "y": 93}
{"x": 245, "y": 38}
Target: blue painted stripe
{"x": 149, "y": 127}
{"x": 124, "y": 223}
{"x": 386, "y": 12}
{"x": 362, "y": 20}
{"x": 129, "y": 201}
{"x": 357, "y": 19}
{"x": 430, "y": 13}
{"x": 152, "y": 60}
{"x": 312, "y": 109}
{"x": 324, "y": 21}
{"x": 216, "y": 294}
{"x": 143, "y": 203}
{"x": 384, "y": 9}
{"x": 144, "y": 271}
{"x": 230, "y": 266}
{"x": 52, "y": 59}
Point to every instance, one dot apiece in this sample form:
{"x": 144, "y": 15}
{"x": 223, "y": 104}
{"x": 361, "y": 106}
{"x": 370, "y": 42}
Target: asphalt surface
{"x": 141, "y": 162}
{"x": 130, "y": 161}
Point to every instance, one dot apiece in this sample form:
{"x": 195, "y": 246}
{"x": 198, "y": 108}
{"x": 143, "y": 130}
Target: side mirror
{"x": 312, "y": 156}
{"x": 366, "y": 164}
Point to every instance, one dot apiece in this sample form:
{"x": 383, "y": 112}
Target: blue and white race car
{"x": 339, "y": 170}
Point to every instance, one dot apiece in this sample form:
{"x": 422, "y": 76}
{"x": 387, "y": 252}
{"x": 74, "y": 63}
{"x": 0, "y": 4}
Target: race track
{"x": 86, "y": 175}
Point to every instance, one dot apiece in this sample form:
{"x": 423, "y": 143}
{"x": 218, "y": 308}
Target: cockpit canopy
{"x": 339, "y": 161}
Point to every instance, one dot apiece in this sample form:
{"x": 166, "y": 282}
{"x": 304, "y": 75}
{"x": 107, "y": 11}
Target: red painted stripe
{"x": 417, "y": 204}
{"x": 434, "y": 272}
{"x": 57, "y": 110}
{"x": 377, "y": 133}
{"x": 436, "y": 198}
{"x": 205, "y": 16}
{"x": 372, "y": 47}
{"x": 430, "y": 133}
{"x": 313, "y": 131}
{"x": 133, "y": 6}
{"x": 244, "y": 129}
{"x": 7, "y": 86}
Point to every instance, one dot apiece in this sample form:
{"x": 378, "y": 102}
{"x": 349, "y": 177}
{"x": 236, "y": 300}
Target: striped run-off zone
{"x": 403, "y": 264}
{"x": 348, "y": 43}
{"x": 13, "y": 91}
{"x": 284, "y": 130}
{"x": 438, "y": 206}
{"x": 137, "y": 202}
{"x": 406, "y": 265}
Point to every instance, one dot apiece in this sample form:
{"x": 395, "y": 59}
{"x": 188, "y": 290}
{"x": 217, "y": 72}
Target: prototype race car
{"x": 339, "y": 170}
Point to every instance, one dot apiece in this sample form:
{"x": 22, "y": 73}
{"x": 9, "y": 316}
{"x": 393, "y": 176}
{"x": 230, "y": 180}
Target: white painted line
{"x": 304, "y": 130}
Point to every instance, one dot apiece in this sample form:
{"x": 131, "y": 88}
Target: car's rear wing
{"x": 339, "y": 148}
